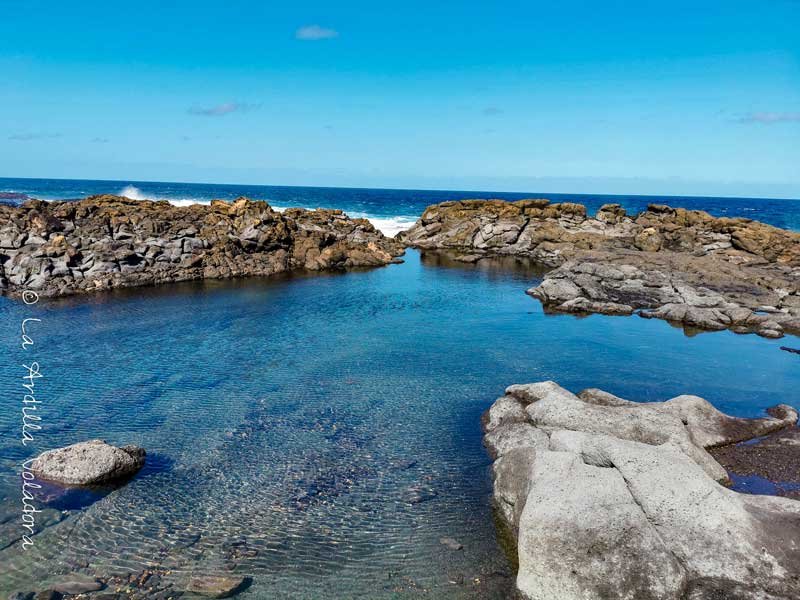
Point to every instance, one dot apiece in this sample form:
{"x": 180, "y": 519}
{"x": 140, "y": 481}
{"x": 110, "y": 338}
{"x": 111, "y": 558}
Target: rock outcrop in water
{"x": 613, "y": 499}
{"x": 103, "y": 242}
{"x": 670, "y": 263}
{"x": 88, "y": 463}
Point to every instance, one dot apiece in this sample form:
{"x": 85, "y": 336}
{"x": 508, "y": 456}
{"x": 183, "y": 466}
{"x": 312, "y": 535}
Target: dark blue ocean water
{"x": 390, "y": 210}
{"x": 329, "y": 423}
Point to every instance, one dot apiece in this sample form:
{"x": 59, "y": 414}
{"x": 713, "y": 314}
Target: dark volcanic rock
{"x": 674, "y": 264}
{"x": 613, "y": 499}
{"x": 103, "y": 242}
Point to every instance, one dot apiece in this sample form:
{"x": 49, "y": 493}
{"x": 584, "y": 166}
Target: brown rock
{"x": 103, "y": 242}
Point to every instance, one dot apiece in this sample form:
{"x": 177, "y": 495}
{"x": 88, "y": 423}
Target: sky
{"x": 696, "y": 98}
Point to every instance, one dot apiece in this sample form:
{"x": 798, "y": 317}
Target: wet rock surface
{"x": 88, "y": 463}
{"x": 607, "y": 498}
{"x": 668, "y": 263}
{"x": 104, "y": 242}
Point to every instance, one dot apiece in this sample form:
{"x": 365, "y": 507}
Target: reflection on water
{"x": 321, "y": 434}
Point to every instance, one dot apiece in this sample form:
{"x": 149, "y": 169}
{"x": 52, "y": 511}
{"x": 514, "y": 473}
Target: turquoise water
{"x": 330, "y": 422}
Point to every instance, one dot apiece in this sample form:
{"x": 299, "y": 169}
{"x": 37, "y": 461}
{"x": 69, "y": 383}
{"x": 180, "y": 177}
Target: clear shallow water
{"x": 390, "y": 210}
{"x": 304, "y": 414}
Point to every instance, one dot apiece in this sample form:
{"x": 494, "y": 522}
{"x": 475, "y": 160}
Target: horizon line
{"x": 414, "y": 189}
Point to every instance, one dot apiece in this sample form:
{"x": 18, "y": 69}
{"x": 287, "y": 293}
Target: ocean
{"x": 390, "y": 210}
{"x": 320, "y": 434}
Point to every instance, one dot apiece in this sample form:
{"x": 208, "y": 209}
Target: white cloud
{"x": 315, "y": 32}
{"x": 222, "y": 109}
{"x": 29, "y": 137}
{"x": 767, "y": 118}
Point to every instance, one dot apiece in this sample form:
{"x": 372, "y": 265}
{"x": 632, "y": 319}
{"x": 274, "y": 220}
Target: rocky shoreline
{"x": 679, "y": 265}
{"x": 106, "y": 242}
{"x": 683, "y": 266}
{"x": 607, "y": 498}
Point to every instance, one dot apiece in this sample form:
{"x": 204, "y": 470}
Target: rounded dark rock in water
{"x": 88, "y": 463}
{"x": 418, "y": 494}
{"x": 451, "y": 543}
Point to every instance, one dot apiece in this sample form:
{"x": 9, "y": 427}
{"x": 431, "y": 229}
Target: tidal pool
{"x": 321, "y": 433}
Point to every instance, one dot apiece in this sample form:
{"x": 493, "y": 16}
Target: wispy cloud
{"x": 315, "y": 32}
{"x": 767, "y": 118}
{"x": 223, "y": 109}
{"x": 490, "y": 111}
{"x": 29, "y": 137}
{"x": 100, "y": 140}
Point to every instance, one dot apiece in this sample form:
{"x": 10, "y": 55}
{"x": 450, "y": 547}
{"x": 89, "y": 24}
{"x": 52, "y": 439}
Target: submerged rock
{"x": 614, "y": 499}
{"x": 104, "y": 242}
{"x": 216, "y": 586}
{"x": 674, "y": 264}
{"x": 451, "y": 543}
{"x": 88, "y": 463}
{"x": 76, "y": 583}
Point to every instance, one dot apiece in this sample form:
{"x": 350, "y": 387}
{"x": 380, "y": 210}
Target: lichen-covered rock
{"x": 674, "y": 264}
{"x": 88, "y": 463}
{"x": 103, "y": 242}
{"x": 614, "y": 499}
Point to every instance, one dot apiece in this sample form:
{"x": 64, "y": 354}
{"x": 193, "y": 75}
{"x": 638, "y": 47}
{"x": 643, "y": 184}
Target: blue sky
{"x": 605, "y": 97}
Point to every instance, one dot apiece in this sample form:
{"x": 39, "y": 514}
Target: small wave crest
{"x": 132, "y": 192}
{"x": 389, "y": 226}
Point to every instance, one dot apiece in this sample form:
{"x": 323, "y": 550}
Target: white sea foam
{"x": 132, "y": 192}
{"x": 388, "y": 226}
{"x": 186, "y": 201}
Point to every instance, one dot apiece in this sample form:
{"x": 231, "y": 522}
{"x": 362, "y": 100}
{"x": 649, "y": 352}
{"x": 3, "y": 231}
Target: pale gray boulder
{"x": 515, "y": 435}
{"x": 512, "y": 475}
{"x": 707, "y": 426}
{"x": 582, "y": 535}
{"x": 505, "y": 410}
{"x": 88, "y": 463}
{"x": 636, "y": 422}
{"x": 619, "y": 500}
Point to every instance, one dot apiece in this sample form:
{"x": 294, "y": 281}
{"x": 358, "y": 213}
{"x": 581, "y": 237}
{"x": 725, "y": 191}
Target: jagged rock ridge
{"x": 681, "y": 265}
{"x": 103, "y": 242}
